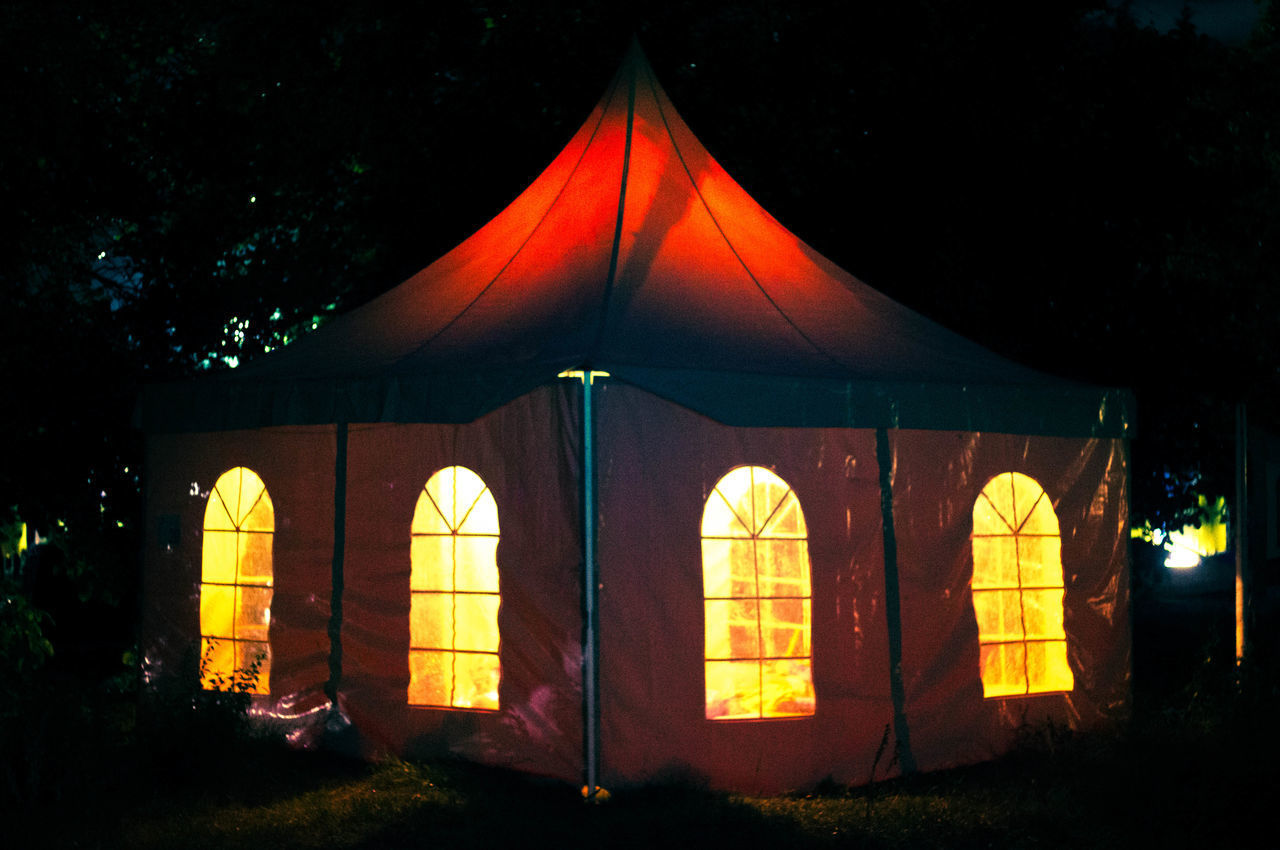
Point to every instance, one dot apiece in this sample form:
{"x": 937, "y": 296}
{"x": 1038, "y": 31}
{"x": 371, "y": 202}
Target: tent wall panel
{"x": 636, "y": 254}
{"x": 297, "y": 466}
{"x": 526, "y": 453}
{"x": 658, "y": 463}
{"x": 937, "y": 478}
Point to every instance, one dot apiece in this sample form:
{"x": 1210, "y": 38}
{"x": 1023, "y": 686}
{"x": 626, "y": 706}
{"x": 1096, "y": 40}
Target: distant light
{"x": 1181, "y": 559}
{"x": 253, "y": 199}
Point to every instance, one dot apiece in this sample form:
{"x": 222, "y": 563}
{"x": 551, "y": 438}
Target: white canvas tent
{"x": 794, "y": 515}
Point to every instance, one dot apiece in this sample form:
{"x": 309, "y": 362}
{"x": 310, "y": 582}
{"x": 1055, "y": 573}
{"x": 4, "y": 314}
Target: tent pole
{"x": 589, "y": 584}
{"x": 893, "y": 604}
{"x": 339, "y": 550}
{"x": 1241, "y": 530}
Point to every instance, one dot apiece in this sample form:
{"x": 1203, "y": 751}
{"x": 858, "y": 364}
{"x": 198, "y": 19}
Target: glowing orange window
{"x": 453, "y": 594}
{"x": 756, "y": 598}
{"x": 1018, "y": 589}
{"x": 235, "y": 584}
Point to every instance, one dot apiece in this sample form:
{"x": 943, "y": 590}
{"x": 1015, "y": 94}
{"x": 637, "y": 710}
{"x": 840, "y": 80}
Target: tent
{"x": 634, "y": 485}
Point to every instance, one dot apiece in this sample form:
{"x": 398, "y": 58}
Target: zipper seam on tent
{"x": 697, "y": 191}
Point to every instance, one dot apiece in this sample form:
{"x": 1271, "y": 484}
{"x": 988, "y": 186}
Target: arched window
{"x": 235, "y": 584}
{"x": 756, "y": 589}
{"x": 453, "y": 594}
{"x": 1018, "y": 589}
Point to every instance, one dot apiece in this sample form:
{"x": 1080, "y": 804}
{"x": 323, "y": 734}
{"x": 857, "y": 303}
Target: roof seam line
{"x": 698, "y": 191}
{"x": 616, "y": 250}
{"x": 532, "y": 232}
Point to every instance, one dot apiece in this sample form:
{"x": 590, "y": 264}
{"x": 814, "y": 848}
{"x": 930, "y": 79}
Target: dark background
{"x": 185, "y": 185}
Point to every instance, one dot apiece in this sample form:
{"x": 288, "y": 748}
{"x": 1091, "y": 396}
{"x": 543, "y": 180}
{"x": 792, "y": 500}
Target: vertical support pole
{"x": 339, "y": 552}
{"x": 589, "y": 684}
{"x": 893, "y": 604}
{"x": 1241, "y": 527}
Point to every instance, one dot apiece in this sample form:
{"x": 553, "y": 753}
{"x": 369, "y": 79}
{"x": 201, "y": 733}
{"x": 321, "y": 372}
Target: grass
{"x": 1195, "y": 766}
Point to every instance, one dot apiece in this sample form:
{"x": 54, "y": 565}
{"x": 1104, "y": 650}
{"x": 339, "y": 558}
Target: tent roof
{"x": 634, "y": 252}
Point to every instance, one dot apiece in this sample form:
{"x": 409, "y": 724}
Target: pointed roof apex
{"x": 635, "y": 253}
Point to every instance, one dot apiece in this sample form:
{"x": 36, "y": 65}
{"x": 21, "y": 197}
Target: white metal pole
{"x": 589, "y": 581}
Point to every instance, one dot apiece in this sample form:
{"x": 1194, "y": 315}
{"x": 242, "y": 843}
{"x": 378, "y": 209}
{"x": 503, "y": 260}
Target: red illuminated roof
{"x": 636, "y": 253}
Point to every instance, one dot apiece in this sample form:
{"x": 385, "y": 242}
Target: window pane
{"x": 1040, "y": 559}
{"x": 995, "y": 562}
{"x": 217, "y": 610}
{"x": 476, "y": 560}
{"x": 476, "y": 621}
{"x": 784, "y": 626}
{"x": 431, "y": 562}
{"x": 719, "y": 519}
{"x": 787, "y": 688}
{"x": 1003, "y": 669}
{"x": 1047, "y": 667}
{"x": 431, "y": 620}
{"x": 728, "y": 568}
{"x": 733, "y": 689}
{"x": 783, "y": 567}
{"x": 1042, "y": 519}
{"x": 254, "y": 657}
{"x": 787, "y": 520}
{"x": 476, "y": 679}
{"x": 427, "y": 518}
{"x": 253, "y": 613}
{"x": 430, "y": 677}
{"x": 218, "y": 557}
{"x": 482, "y": 517}
{"x": 217, "y": 663}
{"x": 1042, "y": 613}
{"x": 999, "y": 614}
{"x": 255, "y": 557}
{"x": 732, "y": 628}
{"x": 217, "y": 515}
{"x": 995, "y": 507}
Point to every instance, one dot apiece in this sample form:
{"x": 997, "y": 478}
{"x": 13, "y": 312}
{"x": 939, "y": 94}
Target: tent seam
{"x": 616, "y": 249}
{"x": 537, "y": 227}
{"x": 698, "y": 191}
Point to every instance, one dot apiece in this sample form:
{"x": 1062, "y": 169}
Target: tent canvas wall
{"x": 610, "y": 604}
